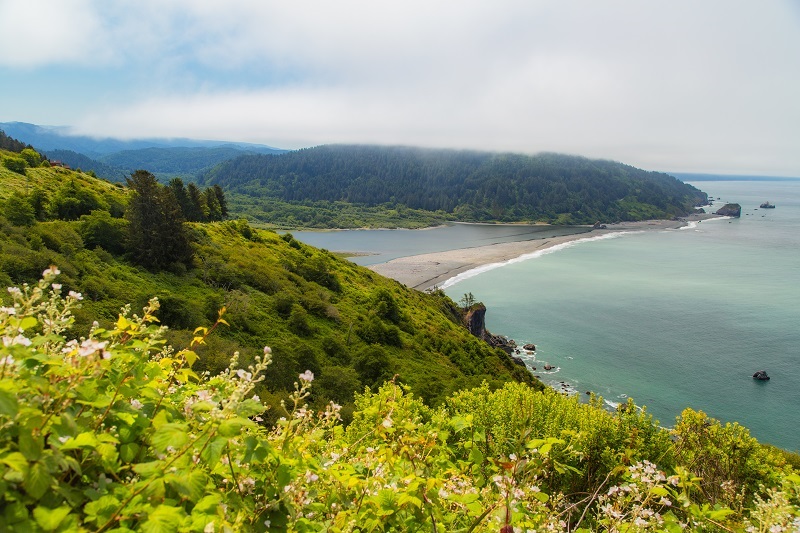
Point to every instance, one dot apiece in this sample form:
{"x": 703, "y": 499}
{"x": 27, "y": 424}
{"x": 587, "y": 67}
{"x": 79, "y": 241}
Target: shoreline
{"x": 425, "y": 271}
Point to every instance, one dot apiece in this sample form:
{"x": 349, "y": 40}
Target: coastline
{"x": 425, "y": 271}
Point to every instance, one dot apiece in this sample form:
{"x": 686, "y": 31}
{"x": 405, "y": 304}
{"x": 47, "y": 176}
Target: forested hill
{"x": 462, "y": 185}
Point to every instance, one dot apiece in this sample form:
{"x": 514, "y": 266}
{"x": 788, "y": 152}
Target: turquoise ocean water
{"x": 673, "y": 319}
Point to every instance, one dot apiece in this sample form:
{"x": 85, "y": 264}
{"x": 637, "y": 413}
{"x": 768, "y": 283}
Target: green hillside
{"x": 348, "y": 325}
{"x": 310, "y": 187}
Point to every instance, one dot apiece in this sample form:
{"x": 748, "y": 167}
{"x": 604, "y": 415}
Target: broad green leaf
{"x": 9, "y": 406}
{"x": 233, "y": 426}
{"x": 38, "y": 480}
{"x": 212, "y": 453}
{"x": 15, "y": 512}
{"x": 169, "y": 435}
{"x": 129, "y": 452}
{"x": 191, "y": 486}
{"x": 27, "y": 322}
{"x": 250, "y": 408}
{"x": 164, "y": 519}
{"x": 49, "y": 519}
{"x": 86, "y": 439}
{"x": 16, "y": 461}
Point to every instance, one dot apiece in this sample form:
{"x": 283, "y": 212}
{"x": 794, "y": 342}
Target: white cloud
{"x": 665, "y": 84}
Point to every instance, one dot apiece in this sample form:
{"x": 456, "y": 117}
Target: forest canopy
{"x": 460, "y": 185}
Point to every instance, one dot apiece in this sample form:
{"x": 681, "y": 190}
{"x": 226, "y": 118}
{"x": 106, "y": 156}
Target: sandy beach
{"x": 428, "y": 270}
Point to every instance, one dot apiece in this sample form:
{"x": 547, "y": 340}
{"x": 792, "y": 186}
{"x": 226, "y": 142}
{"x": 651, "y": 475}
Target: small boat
{"x": 767, "y": 205}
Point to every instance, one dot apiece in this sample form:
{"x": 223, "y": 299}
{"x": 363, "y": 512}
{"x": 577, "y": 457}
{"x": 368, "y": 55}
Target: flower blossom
{"x": 52, "y": 271}
{"x": 8, "y": 310}
{"x": 75, "y": 295}
{"x": 307, "y": 376}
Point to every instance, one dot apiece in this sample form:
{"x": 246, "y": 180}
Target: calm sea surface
{"x": 673, "y": 319}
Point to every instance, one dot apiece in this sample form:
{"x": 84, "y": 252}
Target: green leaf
{"x": 27, "y": 322}
{"x": 38, "y": 480}
{"x": 86, "y": 439}
{"x": 128, "y": 452}
{"x": 250, "y": 408}
{"x": 8, "y": 404}
{"x": 233, "y": 426}
{"x": 163, "y": 519}
{"x": 213, "y": 451}
{"x": 16, "y": 461}
{"x": 49, "y": 519}
{"x": 191, "y": 487}
{"x": 170, "y": 434}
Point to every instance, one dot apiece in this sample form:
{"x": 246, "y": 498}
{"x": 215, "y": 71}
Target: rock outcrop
{"x": 761, "y": 375}
{"x": 730, "y": 210}
{"x": 474, "y": 319}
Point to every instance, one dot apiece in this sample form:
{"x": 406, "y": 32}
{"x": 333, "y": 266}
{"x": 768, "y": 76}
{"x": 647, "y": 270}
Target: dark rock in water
{"x": 730, "y": 210}
{"x": 767, "y": 205}
{"x": 548, "y": 367}
{"x": 761, "y": 375}
{"x": 529, "y": 347}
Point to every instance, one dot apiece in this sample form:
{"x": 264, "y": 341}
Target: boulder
{"x": 529, "y": 347}
{"x": 730, "y": 210}
{"x": 761, "y": 375}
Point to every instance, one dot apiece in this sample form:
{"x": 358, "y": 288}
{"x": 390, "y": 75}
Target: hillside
{"x": 351, "y": 327}
{"x": 447, "y": 184}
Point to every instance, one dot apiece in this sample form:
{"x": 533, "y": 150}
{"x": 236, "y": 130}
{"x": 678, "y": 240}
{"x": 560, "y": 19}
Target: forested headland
{"x": 310, "y": 187}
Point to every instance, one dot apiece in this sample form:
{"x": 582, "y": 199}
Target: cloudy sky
{"x": 681, "y": 85}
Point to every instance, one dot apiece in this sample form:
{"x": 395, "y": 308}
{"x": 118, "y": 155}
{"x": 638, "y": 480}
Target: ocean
{"x": 674, "y": 318}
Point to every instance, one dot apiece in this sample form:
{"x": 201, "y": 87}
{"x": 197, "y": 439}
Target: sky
{"x": 682, "y": 85}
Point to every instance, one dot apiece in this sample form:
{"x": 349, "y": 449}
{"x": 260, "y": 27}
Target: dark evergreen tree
{"x": 197, "y": 208}
{"x": 179, "y": 190}
{"x": 212, "y": 205}
{"x": 223, "y": 203}
{"x": 156, "y": 234}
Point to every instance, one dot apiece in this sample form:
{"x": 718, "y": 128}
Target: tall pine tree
{"x": 156, "y": 234}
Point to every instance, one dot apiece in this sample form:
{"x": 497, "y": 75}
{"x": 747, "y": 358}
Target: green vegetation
{"x": 116, "y": 431}
{"x": 347, "y": 186}
{"x": 350, "y": 326}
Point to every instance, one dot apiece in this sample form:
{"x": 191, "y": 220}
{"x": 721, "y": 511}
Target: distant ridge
{"x": 58, "y": 138}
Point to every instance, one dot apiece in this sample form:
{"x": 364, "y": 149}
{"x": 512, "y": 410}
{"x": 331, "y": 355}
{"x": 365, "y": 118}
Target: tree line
{"x": 467, "y": 185}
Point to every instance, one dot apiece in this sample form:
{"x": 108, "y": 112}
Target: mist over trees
{"x": 466, "y": 185}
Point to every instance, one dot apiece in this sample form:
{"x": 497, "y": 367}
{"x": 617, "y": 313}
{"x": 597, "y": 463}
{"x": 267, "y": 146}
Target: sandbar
{"x": 425, "y": 271}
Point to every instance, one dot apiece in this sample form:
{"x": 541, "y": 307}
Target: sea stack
{"x": 761, "y": 375}
{"x": 730, "y": 210}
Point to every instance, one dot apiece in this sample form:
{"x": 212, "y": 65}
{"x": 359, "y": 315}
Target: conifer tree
{"x": 156, "y": 234}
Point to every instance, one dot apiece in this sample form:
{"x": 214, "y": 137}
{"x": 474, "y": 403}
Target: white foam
{"x": 690, "y": 225}
{"x": 532, "y": 255}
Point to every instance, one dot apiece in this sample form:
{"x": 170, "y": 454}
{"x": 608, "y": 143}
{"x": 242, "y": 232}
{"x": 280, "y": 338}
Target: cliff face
{"x": 474, "y": 320}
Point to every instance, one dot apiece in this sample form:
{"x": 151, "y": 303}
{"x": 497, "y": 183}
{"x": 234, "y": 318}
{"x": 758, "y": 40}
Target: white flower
{"x": 136, "y": 404}
{"x": 8, "y": 310}
{"x": 307, "y": 376}
{"x": 90, "y": 346}
{"x": 244, "y": 374}
{"x": 311, "y": 476}
{"x": 203, "y": 395}
{"x": 443, "y": 493}
{"x": 7, "y": 360}
{"x": 387, "y": 422}
{"x": 14, "y": 291}
{"x": 78, "y": 296}
{"x": 52, "y": 271}
{"x": 19, "y": 339}
{"x": 267, "y": 350}
{"x": 256, "y": 397}
{"x": 56, "y": 286}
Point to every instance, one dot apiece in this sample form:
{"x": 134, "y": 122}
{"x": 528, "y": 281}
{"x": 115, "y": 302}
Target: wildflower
{"x": 91, "y": 346}
{"x": 75, "y": 295}
{"x": 52, "y": 271}
{"x": 267, "y": 350}
{"x": 307, "y": 376}
{"x": 7, "y": 360}
{"x": 443, "y": 493}
{"x": 14, "y": 291}
{"x": 244, "y": 374}
{"x": 19, "y": 339}
{"x": 256, "y": 397}
{"x": 311, "y": 476}
{"x": 203, "y": 395}
{"x": 387, "y": 422}
{"x": 8, "y": 310}
{"x": 56, "y": 286}
{"x": 136, "y": 404}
